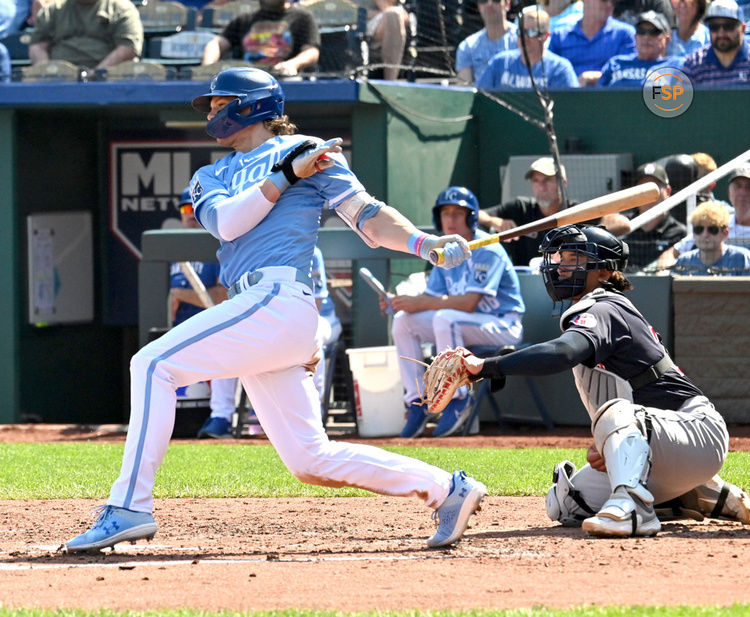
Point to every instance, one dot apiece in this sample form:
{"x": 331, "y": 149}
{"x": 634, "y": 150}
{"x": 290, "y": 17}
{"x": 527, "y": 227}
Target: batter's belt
{"x": 270, "y": 273}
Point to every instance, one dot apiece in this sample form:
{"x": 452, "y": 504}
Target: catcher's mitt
{"x": 443, "y": 377}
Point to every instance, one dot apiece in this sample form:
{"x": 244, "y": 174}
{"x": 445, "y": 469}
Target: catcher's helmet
{"x": 185, "y": 197}
{"x": 459, "y": 196}
{"x": 255, "y": 90}
{"x": 596, "y": 249}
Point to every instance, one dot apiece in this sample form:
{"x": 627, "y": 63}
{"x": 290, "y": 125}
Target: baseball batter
{"x": 263, "y": 202}
{"x": 656, "y": 436}
{"x": 476, "y": 303}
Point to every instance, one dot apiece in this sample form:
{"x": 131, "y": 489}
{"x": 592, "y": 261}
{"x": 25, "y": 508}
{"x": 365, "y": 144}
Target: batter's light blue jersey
{"x": 320, "y": 289}
{"x": 288, "y": 233}
{"x": 489, "y": 272}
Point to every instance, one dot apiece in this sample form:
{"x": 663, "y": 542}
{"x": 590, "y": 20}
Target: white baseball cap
{"x": 728, "y": 9}
{"x": 545, "y": 166}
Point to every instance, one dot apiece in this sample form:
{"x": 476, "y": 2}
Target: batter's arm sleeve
{"x": 555, "y": 356}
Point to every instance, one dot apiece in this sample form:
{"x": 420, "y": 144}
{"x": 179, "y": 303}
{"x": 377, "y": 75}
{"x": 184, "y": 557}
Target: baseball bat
{"x": 618, "y": 201}
{"x": 195, "y": 282}
{"x": 373, "y": 282}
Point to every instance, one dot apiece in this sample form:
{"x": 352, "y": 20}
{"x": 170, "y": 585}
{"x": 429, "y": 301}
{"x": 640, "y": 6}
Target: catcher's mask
{"x": 259, "y": 97}
{"x": 595, "y": 249}
{"x": 458, "y": 196}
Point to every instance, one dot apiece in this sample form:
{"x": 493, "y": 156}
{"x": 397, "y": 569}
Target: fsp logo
{"x": 667, "y": 92}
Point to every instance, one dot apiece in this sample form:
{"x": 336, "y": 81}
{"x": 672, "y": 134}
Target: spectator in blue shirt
{"x": 593, "y": 40}
{"x": 4, "y": 64}
{"x": 712, "y": 255}
{"x": 651, "y": 39}
{"x": 13, "y": 16}
{"x": 563, "y": 13}
{"x": 690, "y": 34}
{"x": 498, "y": 34}
{"x": 727, "y": 60}
{"x": 508, "y": 70}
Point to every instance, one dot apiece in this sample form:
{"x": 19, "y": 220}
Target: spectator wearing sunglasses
{"x": 498, "y": 34}
{"x": 593, "y": 40}
{"x": 691, "y": 33}
{"x": 652, "y": 33}
{"x": 712, "y": 255}
{"x": 739, "y": 221}
{"x": 726, "y": 61}
{"x": 509, "y": 70}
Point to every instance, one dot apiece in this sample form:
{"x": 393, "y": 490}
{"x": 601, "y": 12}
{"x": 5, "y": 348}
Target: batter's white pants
{"x": 264, "y": 334}
{"x": 688, "y": 447}
{"x": 446, "y": 328}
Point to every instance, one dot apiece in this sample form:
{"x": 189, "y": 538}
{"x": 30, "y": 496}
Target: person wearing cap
{"x": 546, "y": 201}
{"x": 739, "y": 221}
{"x": 509, "y": 70}
{"x": 691, "y": 33}
{"x": 712, "y": 255}
{"x": 652, "y": 34}
{"x": 477, "y": 303}
{"x": 652, "y": 238}
{"x": 185, "y": 302}
{"x": 593, "y": 40}
{"x": 499, "y": 34}
{"x": 726, "y": 61}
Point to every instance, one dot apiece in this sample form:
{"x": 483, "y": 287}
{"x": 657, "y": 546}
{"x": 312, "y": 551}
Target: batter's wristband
{"x": 279, "y": 181}
{"x": 415, "y": 242}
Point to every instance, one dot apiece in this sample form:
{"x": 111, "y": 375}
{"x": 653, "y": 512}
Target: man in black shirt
{"x": 656, "y": 236}
{"x": 546, "y": 201}
{"x": 278, "y": 38}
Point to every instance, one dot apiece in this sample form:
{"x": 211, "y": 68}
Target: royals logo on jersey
{"x": 481, "y": 272}
{"x": 584, "y": 320}
{"x": 196, "y": 190}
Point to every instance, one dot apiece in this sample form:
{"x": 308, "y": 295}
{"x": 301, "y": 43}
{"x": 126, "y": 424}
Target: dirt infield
{"x": 359, "y": 553}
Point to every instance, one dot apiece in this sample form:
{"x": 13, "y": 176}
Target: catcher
{"x": 657, "y": 438}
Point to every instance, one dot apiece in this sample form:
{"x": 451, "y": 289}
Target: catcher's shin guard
{"x": 630, "y": 509}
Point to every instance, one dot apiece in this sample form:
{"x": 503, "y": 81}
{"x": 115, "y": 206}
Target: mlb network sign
{"x": 146, "y": 181}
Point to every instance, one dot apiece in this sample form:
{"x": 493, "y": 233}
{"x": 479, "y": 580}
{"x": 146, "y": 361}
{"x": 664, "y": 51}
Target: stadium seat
{"x": 137, "y": 71}
{"x": 207, "y": 72}
{"x": 216, "y": 18}
{"x": 50, "y": 70}
{"x": 166, "y": 17}
{"x": 183, "y": 48}
{"x": 341, "y": 24}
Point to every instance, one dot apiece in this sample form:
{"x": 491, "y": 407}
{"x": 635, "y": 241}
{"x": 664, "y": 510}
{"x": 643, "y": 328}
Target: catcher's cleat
{"x": 737, "y": 505}
{"x": 113, "y": 525}
{"x": 416, "y": 419}
{"x": 455, "y": 415}
{"x": 454, "y": 513}
{"x": 623, "y": 515}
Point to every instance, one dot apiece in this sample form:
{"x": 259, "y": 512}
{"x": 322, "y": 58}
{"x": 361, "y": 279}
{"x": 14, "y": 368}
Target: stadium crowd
{"x": 563, "y": 44}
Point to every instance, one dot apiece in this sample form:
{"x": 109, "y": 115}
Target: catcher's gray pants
{"x": 688, "y": 447}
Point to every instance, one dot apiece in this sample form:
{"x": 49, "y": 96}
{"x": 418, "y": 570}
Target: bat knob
{"x": 437, "y": 257}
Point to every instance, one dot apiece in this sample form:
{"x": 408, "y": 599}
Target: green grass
{"x": 737, "y": 610}
{"x": 87, "y": 470}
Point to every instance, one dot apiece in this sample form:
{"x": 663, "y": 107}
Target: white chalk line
{"x": 247, "y": 560}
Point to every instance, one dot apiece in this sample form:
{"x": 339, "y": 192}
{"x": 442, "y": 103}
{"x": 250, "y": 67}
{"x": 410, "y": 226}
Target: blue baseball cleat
{"x": 218, "y": 428}
{"x": 416, "y": 419}
{"x": 453, "y": 516}
{"x": 455, "y": 415}
{"x": 114, "y": 525}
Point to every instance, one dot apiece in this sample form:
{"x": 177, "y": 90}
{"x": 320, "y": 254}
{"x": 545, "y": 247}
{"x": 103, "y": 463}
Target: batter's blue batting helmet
{"x": 256, "y": 91}
{"x": 459, "y": 196}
